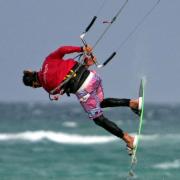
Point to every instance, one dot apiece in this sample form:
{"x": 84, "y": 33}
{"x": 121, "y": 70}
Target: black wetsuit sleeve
{"x": 109, "y": 126}
{"x": 114, "y": 102}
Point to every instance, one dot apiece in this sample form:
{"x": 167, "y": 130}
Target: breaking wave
{"x": 57, "y": 137}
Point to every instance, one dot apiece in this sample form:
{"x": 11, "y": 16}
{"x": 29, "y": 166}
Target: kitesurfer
{"x": 85, "y": 84}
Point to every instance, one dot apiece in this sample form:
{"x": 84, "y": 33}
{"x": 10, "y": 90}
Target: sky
{"x": 30, "y": 30}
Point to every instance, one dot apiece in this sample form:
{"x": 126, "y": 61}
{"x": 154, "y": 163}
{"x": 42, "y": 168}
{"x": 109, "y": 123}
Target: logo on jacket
{"x": 45, "y": 73}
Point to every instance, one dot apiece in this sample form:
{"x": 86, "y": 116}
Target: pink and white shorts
{"x": 91, "y": 94}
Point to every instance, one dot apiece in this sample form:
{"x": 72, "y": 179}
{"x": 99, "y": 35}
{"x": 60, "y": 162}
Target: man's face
{"x": 36, "y": 85}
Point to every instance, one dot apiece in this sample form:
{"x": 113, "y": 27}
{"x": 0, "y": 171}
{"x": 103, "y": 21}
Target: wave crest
{"x": 57, "y": 137}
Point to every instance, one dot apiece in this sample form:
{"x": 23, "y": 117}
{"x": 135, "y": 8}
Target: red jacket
{"x": 55, "y": 68}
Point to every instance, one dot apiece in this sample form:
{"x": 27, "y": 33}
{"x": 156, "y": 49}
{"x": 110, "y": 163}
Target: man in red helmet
{"x": 59, "y": 76}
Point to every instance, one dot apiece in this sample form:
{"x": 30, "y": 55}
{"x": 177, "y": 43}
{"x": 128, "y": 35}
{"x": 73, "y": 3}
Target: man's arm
{"x": 63, "y": 50}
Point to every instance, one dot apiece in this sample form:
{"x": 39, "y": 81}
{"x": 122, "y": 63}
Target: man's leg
{"x": 114, "y": 129}
{"x": 90, "y": 99}
{"x": 115, "y": 102}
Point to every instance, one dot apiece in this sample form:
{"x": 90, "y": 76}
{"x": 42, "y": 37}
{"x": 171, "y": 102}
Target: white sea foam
{"x": 168, "y": 165}
{"x": 70, "y": 124}
{"x": 57, "y": 137}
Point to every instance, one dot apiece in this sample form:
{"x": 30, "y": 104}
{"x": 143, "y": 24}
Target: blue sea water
{"x": 59, "y": 142}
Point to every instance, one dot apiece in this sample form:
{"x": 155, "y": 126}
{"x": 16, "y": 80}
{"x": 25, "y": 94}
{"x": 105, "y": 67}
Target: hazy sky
{"x": 31, "y": 29}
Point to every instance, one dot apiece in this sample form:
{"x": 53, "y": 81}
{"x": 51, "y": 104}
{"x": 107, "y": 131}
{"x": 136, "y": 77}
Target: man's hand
{"x": 87, "y": 49}
{"x": 89, "y": 61}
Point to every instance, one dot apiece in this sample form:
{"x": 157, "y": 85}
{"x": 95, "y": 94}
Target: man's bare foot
{"x": 131, "y": 143}
{"x": 128, "y": 140}
{"x": 135, "y": 105}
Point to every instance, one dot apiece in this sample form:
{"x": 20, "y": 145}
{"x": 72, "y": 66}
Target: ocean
{"x": 52, "y": 141}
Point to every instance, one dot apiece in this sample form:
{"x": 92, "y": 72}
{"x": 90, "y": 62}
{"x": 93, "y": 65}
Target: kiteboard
{"x": 138, "y": 136}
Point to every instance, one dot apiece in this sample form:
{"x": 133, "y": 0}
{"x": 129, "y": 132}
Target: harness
{"x": 72, "y": 81}
{"x": 76, "y": 80}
